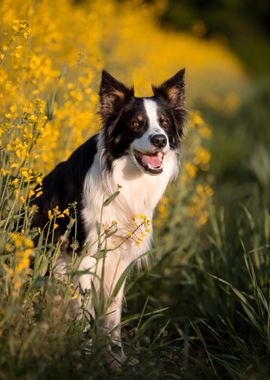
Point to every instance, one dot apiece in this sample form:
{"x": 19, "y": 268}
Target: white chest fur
{"x": 139, "y": 195}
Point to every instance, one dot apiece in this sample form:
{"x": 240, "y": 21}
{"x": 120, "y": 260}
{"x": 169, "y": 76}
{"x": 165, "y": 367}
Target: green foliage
{"x": 202, "y": 310}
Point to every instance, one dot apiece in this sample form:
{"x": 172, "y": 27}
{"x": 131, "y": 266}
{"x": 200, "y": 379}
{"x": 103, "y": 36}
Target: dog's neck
{"x": 139, "y": 192}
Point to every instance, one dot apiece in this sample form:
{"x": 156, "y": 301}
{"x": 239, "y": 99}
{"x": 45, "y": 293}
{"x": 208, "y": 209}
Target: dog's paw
{"x": 131, "y": 362}
{"x": 116, "y": 358}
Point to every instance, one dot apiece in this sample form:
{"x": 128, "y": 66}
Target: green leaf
{"x": 111, "y": 198}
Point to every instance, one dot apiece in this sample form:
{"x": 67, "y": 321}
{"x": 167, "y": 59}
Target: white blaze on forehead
{"x": 143, "y": 144}
{"x": 151, "y": 111}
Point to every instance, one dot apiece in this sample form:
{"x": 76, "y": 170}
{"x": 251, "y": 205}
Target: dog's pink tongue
{"x": 153, "y": 161}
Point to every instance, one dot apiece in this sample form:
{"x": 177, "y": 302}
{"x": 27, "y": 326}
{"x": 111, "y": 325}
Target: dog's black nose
{"x": 158, "y": 140}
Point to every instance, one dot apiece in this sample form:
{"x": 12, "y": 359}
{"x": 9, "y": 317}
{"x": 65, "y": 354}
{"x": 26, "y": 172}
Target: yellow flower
{"x": 190, "y": 169}
{"x": 27, "y": 174}
{"x": 197, "y": 119}
{"x": 50, "y": 215}
{"x": 8, "y": 247}
{"x": 202, "y": 158}
{"x": 74, "y": 294}
{"x": 15, "y": 181}
{"x": 23, "y": 249}
{"x": 4, "y": 171}
{"x": 39, "y": 180}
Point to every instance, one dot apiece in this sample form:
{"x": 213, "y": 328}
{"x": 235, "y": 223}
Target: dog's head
{"x": 145, "y": 129}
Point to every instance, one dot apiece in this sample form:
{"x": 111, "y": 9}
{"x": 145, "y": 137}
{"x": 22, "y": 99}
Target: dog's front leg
{"x": 105, "y": 275}
{"x": 112, "y": 326}
{"x": 113, "y": 278}
{"x": 88, "y": 267}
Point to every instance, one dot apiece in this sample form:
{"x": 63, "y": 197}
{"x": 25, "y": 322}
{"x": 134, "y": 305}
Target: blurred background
{"x": 237, "y": 108}
{"x": 202, "y": 308}
{"x": 243, "y": 25}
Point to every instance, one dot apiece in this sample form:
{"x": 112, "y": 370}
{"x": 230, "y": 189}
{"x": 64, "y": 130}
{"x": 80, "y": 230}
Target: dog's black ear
{"x": 113, "y": 95}
{"x": 172, "y": 91}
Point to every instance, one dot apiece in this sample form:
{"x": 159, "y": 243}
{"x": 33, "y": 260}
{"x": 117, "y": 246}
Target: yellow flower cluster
{"x": 199, "y": 157}
{"x": 162, "y": 212}
{"x": 55, "y": 214}
{"x": 141, "y": 227}
{"x": 198, "y": 207}
{"x": 196, "y": 161}
{"x": 22, "y": 247}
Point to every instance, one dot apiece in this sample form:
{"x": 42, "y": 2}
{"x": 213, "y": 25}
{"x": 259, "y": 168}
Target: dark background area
{"x": 243, "y": 25}
{"x": 240, "y": 145}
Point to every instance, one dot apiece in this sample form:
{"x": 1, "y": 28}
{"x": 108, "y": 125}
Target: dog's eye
{"x": 135, "y": 124}
{"x": 165, "y": 123}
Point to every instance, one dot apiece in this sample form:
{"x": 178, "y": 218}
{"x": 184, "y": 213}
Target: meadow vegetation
{"x": 202, "y": 308}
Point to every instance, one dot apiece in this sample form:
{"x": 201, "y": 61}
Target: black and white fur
{"x": 137, "y": 149}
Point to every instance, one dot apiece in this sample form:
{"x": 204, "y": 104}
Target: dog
{"x": 129, "y": 163}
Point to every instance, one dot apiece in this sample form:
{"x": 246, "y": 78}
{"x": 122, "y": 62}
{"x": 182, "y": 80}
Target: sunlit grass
{"x": 202, "y": 309}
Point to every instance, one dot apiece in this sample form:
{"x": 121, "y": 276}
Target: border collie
{"x": 135, "y": 155}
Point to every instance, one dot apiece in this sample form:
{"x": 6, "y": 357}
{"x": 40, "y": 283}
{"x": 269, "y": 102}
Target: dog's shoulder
{"x": 64, "y": 184}
{"x": 81, "y": 161}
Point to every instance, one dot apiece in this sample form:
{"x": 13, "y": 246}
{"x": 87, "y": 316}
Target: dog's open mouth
{"x": 150, "y": 162}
